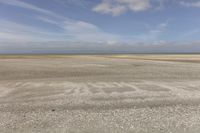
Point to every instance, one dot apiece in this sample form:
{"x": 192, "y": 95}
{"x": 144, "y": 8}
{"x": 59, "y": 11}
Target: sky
{"x": 99, "y": 26}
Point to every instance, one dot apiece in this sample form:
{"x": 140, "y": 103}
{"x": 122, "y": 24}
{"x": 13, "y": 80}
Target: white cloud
{"x": 136, "y": 5}
{"x": 107, "y": 7}
{"x": 80, "y": 27}
{"x": 190, "y": 4}
{"x": 117, "y": 7}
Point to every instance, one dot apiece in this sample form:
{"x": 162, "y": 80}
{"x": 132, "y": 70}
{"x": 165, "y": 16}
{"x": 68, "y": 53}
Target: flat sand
{"x": 100, "y": 93}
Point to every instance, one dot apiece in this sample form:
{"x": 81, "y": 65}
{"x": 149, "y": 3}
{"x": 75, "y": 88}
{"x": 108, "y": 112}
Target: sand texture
{"x": 100, "y": 94}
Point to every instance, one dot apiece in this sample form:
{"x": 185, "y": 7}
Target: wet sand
{"x": 100, "y": 93}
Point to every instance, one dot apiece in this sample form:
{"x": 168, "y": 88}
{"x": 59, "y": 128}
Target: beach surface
{"x": 100, "y": 93}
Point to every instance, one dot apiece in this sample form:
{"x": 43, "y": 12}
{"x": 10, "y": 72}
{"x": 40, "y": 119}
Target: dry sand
{"x": 100, "y": 94}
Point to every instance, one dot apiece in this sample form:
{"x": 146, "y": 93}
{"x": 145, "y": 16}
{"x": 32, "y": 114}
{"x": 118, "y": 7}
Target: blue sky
{"x": 93, "y": 26}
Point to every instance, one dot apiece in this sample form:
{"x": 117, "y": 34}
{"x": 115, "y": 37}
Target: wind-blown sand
{"x": 100, "y": 93}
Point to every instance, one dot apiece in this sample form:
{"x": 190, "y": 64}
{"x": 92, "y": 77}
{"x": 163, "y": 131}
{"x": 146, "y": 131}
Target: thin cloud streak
{"x": 20, "y": 4}
{"x": 11, "y": 31}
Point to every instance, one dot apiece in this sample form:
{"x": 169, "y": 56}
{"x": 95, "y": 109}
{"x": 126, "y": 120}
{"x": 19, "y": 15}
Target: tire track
{"x": 97, "y": 92}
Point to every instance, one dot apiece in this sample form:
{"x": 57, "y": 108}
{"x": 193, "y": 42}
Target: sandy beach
{"x": 100, "y": 93}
